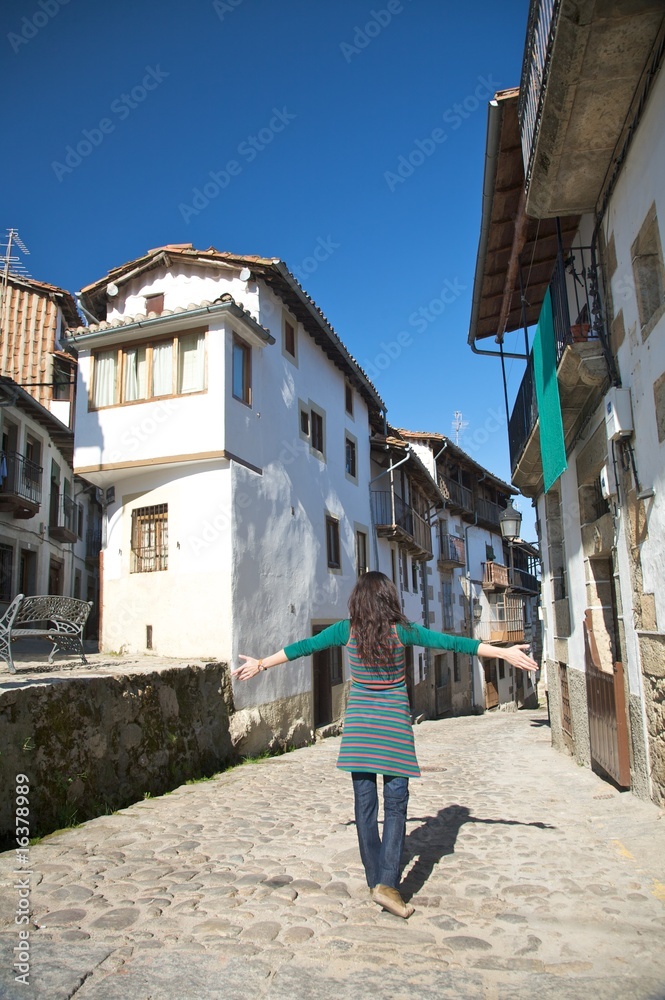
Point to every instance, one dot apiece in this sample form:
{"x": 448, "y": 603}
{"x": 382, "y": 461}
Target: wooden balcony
{"x": 458, "y": 497}
{"x": 395, "y": 519}
{"x": 492, "y": 630}
{"x": 521, "y": 580}
{"x": 21, "y": 486}
{"x": 488, "y": 512}
{"x": 453, "y": 552}
{"x": 495, "y": 576}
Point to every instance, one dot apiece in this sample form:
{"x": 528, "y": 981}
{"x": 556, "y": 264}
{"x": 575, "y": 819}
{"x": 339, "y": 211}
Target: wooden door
{"x": 491, "y": 684}
{"x": 443, "y": 687}
{"x": 55, "y": 577}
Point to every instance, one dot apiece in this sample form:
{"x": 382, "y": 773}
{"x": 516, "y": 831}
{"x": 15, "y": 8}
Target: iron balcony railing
{"x": 390, "y": 510}
{"x": 488, "y": 511}
{"x": 576, "y": 318}
{"x": 456, "y": 494}
{"x": 453, "y": 550}
{"x": 541, "y": 27}
{"x": 93, "y": 543}
{"x": 23, "y": 478}
{"x": 63, "y": 513}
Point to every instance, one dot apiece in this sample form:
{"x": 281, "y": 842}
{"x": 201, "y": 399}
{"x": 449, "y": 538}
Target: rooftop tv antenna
{"x": 458, "y": 424}
{"x": 11, "y": 264}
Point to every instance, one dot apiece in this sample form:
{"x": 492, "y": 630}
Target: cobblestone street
{"x": 530, "y": 876}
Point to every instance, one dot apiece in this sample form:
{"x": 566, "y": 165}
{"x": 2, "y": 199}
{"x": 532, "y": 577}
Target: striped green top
{"x": 378, "y": 735}
{"x": 412, "y": 635}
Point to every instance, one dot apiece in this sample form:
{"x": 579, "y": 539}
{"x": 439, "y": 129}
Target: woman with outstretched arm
{"x": 378, "y": 734}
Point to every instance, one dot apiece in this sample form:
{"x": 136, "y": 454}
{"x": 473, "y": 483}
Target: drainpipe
{"x": 391, "y": 468}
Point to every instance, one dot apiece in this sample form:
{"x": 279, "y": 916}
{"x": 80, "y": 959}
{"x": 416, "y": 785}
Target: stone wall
{"x": 652, "y": 649}
{"x": 93, "y": 744}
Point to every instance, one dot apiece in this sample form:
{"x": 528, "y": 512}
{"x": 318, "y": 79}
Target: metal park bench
{"x": 60, "y": 619}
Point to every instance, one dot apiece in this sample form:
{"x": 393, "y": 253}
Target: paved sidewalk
{"x": 531, "y": 877}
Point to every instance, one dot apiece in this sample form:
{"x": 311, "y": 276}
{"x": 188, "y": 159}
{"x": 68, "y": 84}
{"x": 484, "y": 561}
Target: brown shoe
{"x": 390, "y": 900}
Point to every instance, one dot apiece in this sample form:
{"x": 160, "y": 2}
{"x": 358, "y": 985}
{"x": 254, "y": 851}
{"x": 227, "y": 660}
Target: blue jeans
{"x": 381, "y": 857}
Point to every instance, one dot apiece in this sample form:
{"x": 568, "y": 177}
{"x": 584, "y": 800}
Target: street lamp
{"x": 510, "y": 522}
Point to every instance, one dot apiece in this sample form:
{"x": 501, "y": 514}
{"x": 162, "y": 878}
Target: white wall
{"x": 641, "y": 363}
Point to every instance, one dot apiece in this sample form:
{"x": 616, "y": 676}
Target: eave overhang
{"x": 515, "y": 252}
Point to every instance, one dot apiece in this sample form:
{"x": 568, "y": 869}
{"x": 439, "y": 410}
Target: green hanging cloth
{"x": 552, "y": 445}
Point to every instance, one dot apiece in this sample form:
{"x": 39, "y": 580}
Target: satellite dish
{"x": 245, "y": 274}
{"x": 112, "y": 290}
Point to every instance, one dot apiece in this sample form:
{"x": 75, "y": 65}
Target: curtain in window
{"x": 162, "y": 368}
{"x": 105, "y": 370}
{"x": 136, "y": 374}
{"x": 191, "y": 360}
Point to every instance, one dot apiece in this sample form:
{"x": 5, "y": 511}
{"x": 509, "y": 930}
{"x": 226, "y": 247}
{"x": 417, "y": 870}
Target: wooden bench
{"x": 60, "y": 619}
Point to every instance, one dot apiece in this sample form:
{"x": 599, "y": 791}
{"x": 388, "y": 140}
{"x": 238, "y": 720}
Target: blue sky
{"x": 346, "y": 138}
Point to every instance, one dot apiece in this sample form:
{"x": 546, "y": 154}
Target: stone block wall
{"x": 93, "y": 744}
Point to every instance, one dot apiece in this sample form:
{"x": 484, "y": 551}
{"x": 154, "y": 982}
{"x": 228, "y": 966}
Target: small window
{"x": 63, "y": 379}
{"x": 317, "y": 431}
{"x": 154, "y": 304}
{"x": 332, "y": 542}
{"x": 80, "y": 520}
{"x": 242, "y": 355}
{"x": 304, "y": 422}
{"x": 150, "y": 539}
{"x": 393, "y": 566}
{"x": 348, "y": 399}
{"x": 502, "y": 670}
{"x": 289, "y": 338}
{"x": 350, "y": 457}
{"x": 489, "y": 553}
{"x": 405, "y": 571}
{"x": 414, "y": 575}
{"x": 361, "y": 552}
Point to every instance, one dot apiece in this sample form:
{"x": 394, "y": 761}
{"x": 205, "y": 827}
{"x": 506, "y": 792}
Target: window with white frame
{"x": 133, "y": 373}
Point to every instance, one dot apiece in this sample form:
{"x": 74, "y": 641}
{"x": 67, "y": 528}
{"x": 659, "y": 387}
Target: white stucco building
{"x": 229, "y": 429}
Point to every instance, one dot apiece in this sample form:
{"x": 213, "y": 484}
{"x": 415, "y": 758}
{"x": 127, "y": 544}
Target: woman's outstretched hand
{"x": 516, "y": 656}
{"x": 250, "y": 668}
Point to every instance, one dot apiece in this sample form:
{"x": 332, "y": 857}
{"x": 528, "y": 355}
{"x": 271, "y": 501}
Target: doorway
{"x": 55, "y": 577}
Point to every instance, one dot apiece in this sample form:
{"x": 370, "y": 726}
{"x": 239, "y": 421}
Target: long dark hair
{"x": 374, "y": 607}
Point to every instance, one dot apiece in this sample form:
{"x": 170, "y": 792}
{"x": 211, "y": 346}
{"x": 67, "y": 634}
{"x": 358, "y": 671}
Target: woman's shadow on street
{"x": 437, "y": 837}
